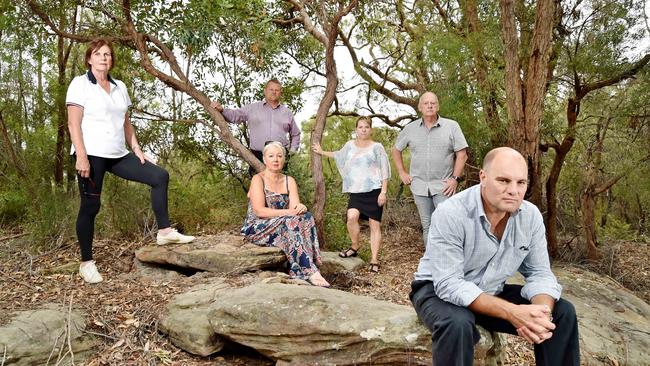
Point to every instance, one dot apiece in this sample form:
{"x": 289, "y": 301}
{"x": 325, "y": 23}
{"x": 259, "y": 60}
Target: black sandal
{"x": 344, "y": 254}
{"x": 374, "y": 267}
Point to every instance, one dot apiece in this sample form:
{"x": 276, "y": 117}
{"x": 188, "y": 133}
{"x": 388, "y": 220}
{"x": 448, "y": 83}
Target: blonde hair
{"x": 275, "y": 144}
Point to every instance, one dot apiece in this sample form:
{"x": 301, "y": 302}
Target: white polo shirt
{"x": 102, "y": 124}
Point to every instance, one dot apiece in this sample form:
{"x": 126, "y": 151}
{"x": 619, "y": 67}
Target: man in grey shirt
{"x": 267, "y": 120}
{"x": 438, "y": 155}
{"x": 477, "y": 239}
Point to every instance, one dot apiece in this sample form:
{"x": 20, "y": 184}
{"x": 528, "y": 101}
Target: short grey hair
{"x": 274, "y": 144}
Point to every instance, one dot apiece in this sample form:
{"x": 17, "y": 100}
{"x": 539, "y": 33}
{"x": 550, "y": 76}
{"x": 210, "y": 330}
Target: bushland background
{"x": 566, "y": 83}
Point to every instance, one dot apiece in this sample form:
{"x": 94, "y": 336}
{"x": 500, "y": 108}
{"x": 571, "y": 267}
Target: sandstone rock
{"x": 307, "y": 325}
{"x": 614, "y": 323}
{"x": 186, "y": 321}
{"x": 223, "y": 253}
{"x": 33, "y": 337}
{"x": 153, "y": 272}
{"x": 332, "y": 263}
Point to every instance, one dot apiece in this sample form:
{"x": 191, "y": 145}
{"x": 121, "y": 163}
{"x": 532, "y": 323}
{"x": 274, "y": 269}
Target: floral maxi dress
{"x": 295, "y": 235}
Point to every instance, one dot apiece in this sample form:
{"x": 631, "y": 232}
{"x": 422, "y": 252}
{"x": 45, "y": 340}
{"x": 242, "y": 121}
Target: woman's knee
{"x": 353, "y": 216}
{"x": 90, "y": 206}
{"x": 161, "y": 177}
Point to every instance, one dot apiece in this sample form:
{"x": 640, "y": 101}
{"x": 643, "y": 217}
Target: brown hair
{"x": 364, "y": 118}
{"x": 273, "y": 81}
{"x": 96, "y": 44}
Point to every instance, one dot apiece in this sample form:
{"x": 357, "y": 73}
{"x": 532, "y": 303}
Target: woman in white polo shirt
{"x": 99, "y": 128}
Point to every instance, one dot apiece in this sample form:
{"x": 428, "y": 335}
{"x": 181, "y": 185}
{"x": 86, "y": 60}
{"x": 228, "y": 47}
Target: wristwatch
{"x": 457, "y": 178}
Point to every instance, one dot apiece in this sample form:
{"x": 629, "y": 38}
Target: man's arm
{"x": 399, "y": 164}
{"x": 231, "y": 115}
{"x": 533, "y": 322}
{"x": 447, "y": 241}
{"x": 459, "y": 165}
{"x": 536, "y": 266}
{"x": 294, "y": 132}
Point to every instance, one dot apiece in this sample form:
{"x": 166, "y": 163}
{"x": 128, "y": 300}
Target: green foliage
{"x": 13, "y": 207}
{"x": 51, "y": 220}
{"x": 230, "y": 48}
{"x": 616, "y": 229}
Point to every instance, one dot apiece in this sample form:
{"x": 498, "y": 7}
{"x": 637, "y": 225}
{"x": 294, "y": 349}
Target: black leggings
{"x": 90, "y": 189}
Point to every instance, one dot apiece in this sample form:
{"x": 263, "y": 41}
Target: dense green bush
{"x": 13, "y": 207}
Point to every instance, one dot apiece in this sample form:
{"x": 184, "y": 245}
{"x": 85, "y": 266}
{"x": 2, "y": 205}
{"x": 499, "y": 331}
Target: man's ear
{"x": 482, "y": 177}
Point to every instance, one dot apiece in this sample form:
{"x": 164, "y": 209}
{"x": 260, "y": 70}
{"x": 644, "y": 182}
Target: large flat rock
{"x": 222, "y": 253}
{"x": 614, "y": 324}
{"x": 186, "y": 320}
{"x": 33, "y": 337}
{"x": 307, "y": 325}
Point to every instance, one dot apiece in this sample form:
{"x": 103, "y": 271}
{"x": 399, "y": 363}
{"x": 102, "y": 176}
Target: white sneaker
{"x": 173, "y": 237}
{"x": 89, "y": 272}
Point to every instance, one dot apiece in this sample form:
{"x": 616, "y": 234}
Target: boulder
{"x": 332, "y": 263}
{"x": 614, "y": 323}
{"x": 222, "y": 253}
{"x": 35, "y": 337}
{"x": 186, "y": 319}
{"x": 153, "y": 272}
{"x": 308, "y": 325}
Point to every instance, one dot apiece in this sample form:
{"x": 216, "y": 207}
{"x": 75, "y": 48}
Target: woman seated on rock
{"x": 277, "y": 218}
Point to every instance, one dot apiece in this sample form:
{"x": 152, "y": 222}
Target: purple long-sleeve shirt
{"x": 266, "y": 124}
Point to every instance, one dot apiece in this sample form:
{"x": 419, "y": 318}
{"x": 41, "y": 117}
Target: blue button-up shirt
{"x": 463, "y": 258}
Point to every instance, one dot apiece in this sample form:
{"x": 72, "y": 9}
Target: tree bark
{"x": 328, "y": 39}
{"x": 525, "y": 98}
{"x": 587, "y": 207}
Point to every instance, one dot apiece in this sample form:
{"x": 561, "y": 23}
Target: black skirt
{"x": 367, "y": 205}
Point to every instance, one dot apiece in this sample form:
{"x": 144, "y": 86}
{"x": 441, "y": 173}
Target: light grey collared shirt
{"x": 463, "y": 259}
{"x": 433, "y": 152}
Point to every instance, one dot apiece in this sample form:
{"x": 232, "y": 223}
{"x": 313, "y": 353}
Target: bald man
{"x": 438, "y": 155}
{"x": 477, "y": 239}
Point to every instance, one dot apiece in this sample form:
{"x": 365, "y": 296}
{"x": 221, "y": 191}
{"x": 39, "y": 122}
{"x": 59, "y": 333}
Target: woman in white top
{"x": 99, "y": 126}
{"x": 365, "y": 170}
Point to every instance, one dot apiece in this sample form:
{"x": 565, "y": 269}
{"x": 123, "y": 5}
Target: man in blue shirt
{"x": 477, "y": 239}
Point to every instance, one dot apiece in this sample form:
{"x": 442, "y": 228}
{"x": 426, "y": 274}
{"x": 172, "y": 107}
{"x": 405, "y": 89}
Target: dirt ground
{"x": 123, "y": 310}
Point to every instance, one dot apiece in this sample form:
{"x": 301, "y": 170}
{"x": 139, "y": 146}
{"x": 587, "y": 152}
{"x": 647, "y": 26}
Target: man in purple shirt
{"x": 267, "y": 120}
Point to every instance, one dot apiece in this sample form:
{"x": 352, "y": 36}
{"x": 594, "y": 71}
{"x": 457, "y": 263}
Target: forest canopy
{"x": 565, "y": 83}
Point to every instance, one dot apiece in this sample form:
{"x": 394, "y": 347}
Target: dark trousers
{"x": 454, "y": 333}
{"x": 260, "y": 156}
{"x": 90, "y": 189}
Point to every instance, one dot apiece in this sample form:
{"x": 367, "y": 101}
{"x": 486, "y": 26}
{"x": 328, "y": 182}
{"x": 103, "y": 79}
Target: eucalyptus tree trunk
{"x": 525, "y": 96}
{"x": 327, "y": 37}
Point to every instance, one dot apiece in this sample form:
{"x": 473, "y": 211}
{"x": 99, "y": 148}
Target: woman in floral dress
{"x": 363, "y": 164}
{"x": 277, "y": 218}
